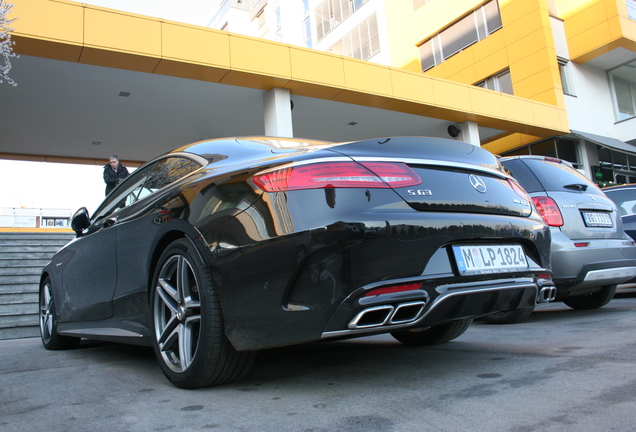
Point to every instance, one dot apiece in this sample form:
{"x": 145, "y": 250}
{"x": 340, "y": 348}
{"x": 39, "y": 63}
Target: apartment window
{"x": 501, "y": 82}
{"x": 279, "y": 29}
{"x": 623, "y": 84}
{"x": 631, "y": 9}
{"x": 330, "y": 13}
{"x": 472, "y": 28}
{"x": 625, "y": 95}
{"x": 307, "y": 32}
{"x": 566, "y": 83}
{"x": 362, "y": 43}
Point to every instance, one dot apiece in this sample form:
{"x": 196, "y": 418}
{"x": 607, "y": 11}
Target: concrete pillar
{"x": 469, "y": 133}
{"x": 277, "y": 113}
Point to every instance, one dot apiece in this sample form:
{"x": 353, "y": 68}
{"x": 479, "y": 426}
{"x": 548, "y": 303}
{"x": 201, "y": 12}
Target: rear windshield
{"x": 554, "y": 176}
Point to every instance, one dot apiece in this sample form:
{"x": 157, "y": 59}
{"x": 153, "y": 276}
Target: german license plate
{"x": 597, "y": 219}
{"x": 483, "y": 259}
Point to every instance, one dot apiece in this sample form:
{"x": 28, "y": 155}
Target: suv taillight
{"x": 548, "y": 210}
{"x": 338, "y": 175}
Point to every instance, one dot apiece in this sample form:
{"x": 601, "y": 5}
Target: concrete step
{"x": 20, "y": 270}
{"x": 19, "y": 332}
{"x": 21, "y": 262}
{"x": 19, "y": 279}
{"x": 22, "y": 257}
{"x": 18, "y": 298}
{"x": 20, "y": 309}
{"x": 13, "y": 288}
{"x": 19, "y": 320}
{"x": 17, "y": 249}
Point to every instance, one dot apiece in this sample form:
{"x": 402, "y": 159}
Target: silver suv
{"x": 591, "y": 253}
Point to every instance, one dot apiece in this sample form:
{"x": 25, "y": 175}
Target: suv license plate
{"x": 483, "y": 259}
{"x": 597, "y": 219}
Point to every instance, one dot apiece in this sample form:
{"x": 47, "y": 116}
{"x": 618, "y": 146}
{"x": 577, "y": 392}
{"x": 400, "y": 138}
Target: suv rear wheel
{"x": 593, "y": 300}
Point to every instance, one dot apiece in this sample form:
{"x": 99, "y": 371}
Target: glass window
{"x": 520, "y": 151}
{"x": 631, "y": 9}
{"x": 458, "y": 36}
{"x": 566, "y": 150}
{"x": 502, "y": 82}
{"x": 307, "y": 32}
{"x": 361, "y": 43}
{"x": 619, "y": 160}
{"x": 146, "y": 181}
{"x": 554, "y": 176}
{"x": 565, "y": 79}
{"x": 524, "y": 176}
{"x": 493, "y": 18}
{"x": 427, "y": 60}
{"x": 545, "y": 148}
{"x": 331, "y": 13}
{"x": 461, "y": 34}
{"x": 624, "y": 99}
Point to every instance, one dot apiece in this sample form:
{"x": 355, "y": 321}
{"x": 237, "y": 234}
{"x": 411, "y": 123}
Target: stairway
{"x": 22, "y": 257}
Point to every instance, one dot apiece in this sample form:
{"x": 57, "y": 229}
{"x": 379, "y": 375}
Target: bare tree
{"x": 6, "y": 44}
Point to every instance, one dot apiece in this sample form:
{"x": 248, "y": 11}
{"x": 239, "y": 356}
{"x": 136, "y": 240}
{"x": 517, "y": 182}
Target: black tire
{"x": 432, "y": 335}
{"x": 48, "y": 321}
{"x": 509, "y": 317}
{"x": 594, "y": 300}
{"x": 189, "y": 333}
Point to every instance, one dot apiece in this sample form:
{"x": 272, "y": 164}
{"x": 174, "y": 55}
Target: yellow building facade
{"x": 530, "y": 42}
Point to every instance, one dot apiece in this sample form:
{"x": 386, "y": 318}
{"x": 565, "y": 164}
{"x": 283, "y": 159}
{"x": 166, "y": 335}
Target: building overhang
{"x": 603, "y": 141}
{"x": 187, "y": 83}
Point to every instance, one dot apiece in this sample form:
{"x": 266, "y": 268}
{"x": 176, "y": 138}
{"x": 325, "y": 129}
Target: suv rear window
{"x": 552, "y": 176}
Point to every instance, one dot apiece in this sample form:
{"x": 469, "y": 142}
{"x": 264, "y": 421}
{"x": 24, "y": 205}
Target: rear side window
{"x": 524, "y": 176}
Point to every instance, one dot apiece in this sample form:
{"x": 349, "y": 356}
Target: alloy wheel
{"x": 46, "y": 316}
{"x": 177, "y": 313}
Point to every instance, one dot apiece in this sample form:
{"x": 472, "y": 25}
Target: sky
{"x": 67, "y": 186}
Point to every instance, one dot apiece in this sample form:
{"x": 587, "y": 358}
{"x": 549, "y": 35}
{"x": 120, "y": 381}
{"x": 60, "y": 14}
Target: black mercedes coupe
{"x": 224, "y": 247}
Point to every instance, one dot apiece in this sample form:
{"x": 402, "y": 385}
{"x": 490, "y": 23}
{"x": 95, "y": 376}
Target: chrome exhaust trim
{"x": 407, "y": 312}
{"x": 372, "y": 317}
{"x": 547, "y": 294}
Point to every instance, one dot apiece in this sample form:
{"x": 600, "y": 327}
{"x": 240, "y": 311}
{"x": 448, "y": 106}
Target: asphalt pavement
{"x": 562, "y": 370}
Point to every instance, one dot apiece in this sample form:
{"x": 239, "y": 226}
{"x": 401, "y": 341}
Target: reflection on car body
{"x": 225, "y": 247}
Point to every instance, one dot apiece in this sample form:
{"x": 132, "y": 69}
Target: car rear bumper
{"x": 594, "y": 275}
{"x": 434, "y": 306}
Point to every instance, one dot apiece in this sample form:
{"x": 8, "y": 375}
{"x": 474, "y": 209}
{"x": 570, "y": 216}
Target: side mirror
{"x": 80, "y": 221}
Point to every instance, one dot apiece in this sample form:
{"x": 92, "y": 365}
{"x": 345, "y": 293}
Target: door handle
{"x": 109, "y": 222}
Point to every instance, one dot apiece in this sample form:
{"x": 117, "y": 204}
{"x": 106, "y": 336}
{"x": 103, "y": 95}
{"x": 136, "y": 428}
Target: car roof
{"x": 537, "y": 157}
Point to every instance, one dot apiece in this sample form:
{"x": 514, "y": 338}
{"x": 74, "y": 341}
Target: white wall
{"x": 591, "y": 109}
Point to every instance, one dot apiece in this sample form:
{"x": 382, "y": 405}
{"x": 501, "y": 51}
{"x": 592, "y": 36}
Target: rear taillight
{"x": 548, "y": 210}
{"x": 394, "y": 289}
{"x": 338, "y": 175}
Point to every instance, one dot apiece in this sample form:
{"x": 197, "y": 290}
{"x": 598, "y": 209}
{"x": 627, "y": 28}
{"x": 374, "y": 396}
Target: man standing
{"x": 114, "y": 173}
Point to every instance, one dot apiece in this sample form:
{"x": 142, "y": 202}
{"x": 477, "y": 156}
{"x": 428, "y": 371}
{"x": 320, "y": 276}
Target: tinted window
{"x": 146, "y": 181}
{"x": 554, "y": 176}
{"x": 523, "y": 175}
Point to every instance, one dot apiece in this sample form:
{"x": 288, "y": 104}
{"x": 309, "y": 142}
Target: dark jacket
{"x": 113, "y": 178}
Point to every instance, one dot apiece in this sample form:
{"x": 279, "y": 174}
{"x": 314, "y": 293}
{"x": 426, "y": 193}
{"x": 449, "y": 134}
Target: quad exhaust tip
{"x": 547, "y": 294}
{"x": 377, "y": 316}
